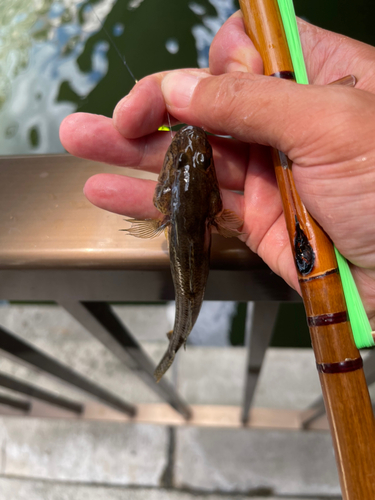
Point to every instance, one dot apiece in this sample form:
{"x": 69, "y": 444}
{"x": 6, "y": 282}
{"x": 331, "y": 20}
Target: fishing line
{"x": 122, "y": 57}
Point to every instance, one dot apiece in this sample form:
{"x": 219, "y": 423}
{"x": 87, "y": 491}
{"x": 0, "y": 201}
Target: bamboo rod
{"x": 339, "y": 364}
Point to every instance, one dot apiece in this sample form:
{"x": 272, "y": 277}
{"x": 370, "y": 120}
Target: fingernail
{"x": 236, "y": 66}
{"x": 178, "y": 88}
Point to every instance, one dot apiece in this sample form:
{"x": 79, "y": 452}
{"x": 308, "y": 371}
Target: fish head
{"x": 189, "y": 149}
{"x": 194, "y": 149}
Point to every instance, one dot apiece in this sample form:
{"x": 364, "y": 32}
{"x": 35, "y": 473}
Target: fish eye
{"x": 202, "y": 160}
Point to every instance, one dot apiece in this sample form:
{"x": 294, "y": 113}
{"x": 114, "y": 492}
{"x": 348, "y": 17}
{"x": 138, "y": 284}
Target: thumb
{"x": 267, "y": 110}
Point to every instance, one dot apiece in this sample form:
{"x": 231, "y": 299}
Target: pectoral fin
{"x": 227, "y": 224}
{"x": 147, "y": 228}
{"x": 166, "y": 233}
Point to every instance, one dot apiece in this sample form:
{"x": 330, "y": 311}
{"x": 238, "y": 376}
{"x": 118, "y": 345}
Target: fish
{"x": 188, "y": 197}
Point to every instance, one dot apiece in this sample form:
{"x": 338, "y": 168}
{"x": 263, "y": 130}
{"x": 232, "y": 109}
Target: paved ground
{"x": 58, "y": 460}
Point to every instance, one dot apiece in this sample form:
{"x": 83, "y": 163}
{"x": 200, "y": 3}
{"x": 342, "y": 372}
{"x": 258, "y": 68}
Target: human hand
{"x": 326, "y": 131}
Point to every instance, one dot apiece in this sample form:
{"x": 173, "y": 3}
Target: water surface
{"x": 56, "y": 58}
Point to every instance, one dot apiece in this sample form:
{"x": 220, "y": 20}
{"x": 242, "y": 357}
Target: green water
{"x": 56, "y": 58}
{"x": 351, "y": 18}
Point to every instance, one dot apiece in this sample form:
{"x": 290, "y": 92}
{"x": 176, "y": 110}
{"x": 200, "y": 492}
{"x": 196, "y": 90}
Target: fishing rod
{"x": 338, "y": 361}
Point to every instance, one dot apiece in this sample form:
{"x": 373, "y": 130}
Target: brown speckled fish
{"x": 188, "y": 195}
